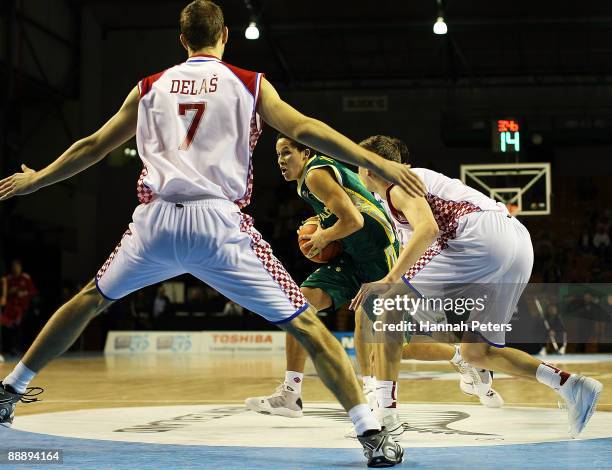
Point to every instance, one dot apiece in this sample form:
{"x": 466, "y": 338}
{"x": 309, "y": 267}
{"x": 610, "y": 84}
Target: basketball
{"x": 329, "y": 252}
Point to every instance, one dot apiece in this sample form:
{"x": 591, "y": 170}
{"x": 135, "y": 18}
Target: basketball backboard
{"x": 524, "y": 187}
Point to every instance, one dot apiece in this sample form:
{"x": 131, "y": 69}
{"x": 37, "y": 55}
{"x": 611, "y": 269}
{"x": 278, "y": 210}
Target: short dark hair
{"x": 201, "y": 23}
{"x": 403, "y": 149}
{"x": 296, "y": 144}
{"x": 390, "y": 148}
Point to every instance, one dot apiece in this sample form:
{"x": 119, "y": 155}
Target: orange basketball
{"x": 329, "y": 252}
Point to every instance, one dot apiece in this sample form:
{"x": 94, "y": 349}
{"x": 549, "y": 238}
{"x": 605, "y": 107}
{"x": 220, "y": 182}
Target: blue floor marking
{"x": 86, "y": 454}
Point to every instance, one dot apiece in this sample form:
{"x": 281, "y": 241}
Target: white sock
{"x": 19, "y": 378}
{"x": 363, "y": 419}
{"x": 457, "y": 357}
{"x": 551, "y": 376}
{"x": 386, "y": 393}
{"x": 369, "y": 382}
{"x": 293, "y": 380}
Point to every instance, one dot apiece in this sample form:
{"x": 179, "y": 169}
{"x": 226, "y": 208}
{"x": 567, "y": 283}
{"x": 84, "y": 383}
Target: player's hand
{"x": 368, "y": 289}
{"x": 317, "y": 242}
{"x": 400, "y": 174}
{"x": 18, "y": 184}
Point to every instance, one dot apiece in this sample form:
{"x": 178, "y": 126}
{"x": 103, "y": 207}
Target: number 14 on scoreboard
{"x": 506, "y": 136}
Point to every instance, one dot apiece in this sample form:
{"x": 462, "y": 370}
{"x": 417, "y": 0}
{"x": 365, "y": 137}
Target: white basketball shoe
{"x": 478, "y": 382}
{"x": 580, "y": 395}
{"x": 283, "y": 402}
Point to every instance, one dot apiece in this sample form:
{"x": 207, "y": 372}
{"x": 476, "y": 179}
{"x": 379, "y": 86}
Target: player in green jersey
{"x": 349, "y": 213}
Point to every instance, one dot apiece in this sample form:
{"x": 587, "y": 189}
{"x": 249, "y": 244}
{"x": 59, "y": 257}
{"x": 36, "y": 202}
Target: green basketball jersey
{"x": 377, "y": 232}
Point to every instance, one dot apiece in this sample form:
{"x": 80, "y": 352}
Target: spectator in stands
{"x": 140, "y": 308}
{"x": 160, "y": 303}
{"x": 18, "y": 290}
{"x": 601, "y": 241}
{"x": 196, "y": 299}
{"x": 544, "y": 248}
{"x": 585, "y": 241}
{"x": 215, "y": 302}
{"x": 232, "y": 309}
{"x": 556, "y": 325}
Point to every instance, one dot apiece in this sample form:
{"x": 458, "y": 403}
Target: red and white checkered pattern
{"x": 145, "y": 195}
{"x": 254, "y": 134}
{"x": 425, "y": 258}
{"x": 112, "y": 256}
{"x": 263, "y": 251}
{"x": 447, "y": 215}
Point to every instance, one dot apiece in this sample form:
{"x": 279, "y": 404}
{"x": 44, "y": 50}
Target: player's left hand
{"x": 368, "y": 289}
{"x": 317, "y": 242}
{"x": 18, "y": 184}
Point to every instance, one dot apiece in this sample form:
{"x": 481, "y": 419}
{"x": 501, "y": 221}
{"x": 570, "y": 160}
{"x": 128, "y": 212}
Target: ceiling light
{"x": 440, "y": 26}
{"x": 252, "y": 32}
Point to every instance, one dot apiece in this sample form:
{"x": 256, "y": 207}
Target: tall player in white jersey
{"x": 196, "y": 125}
{"x": 460, "y": 236}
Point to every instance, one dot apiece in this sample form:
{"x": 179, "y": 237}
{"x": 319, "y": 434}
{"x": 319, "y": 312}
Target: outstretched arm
{"x": 80, "y": 156}
{"x": 320, "y": 136}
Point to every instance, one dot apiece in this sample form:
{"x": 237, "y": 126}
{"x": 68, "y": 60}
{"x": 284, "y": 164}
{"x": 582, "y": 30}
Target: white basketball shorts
{"x": 213, "y": 241}
{"x": 491, "y": 253}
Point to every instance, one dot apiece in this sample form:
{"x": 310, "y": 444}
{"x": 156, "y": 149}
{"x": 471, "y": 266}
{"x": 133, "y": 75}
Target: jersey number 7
{"x": 198, "y": 109}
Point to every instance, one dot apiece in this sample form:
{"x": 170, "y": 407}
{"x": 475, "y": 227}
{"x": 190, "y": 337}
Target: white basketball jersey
{"x": 449, "y": 200}
{"x": 197, "y": 128}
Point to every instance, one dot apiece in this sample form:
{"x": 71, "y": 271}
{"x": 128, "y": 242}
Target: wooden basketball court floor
{"x": 130, "y": 411}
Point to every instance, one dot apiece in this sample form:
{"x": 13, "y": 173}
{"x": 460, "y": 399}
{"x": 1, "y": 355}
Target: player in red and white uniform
{"x": 473, "y": 381}
{"x": 458, "y": 236}
{"x": 196, "y": 125}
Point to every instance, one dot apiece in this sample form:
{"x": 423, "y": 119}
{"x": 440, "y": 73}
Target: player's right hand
{"x": 18, "y": 184}
{"x": 400, "y": 174}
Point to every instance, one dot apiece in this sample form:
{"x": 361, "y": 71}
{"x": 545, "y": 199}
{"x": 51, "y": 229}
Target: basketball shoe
{"x": 381, "y": 450}
{"x": 283, "y": 402}
{"x": 580, "y": 395}
{"x": 9, "y": 399}
{"x": 478, "y": 382}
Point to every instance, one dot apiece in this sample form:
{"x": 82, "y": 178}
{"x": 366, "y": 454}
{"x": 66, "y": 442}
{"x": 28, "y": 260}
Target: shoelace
{"x": 30, "y": 394}
{"x": 465, "y": 368}
{"x": 279, "y": 390}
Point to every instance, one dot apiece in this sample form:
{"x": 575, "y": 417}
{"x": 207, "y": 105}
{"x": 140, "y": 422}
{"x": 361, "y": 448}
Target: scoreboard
{"x": 506, "y": 135}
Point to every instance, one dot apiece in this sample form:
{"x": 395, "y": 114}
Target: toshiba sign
{"x": 243, "y": 341}
{"x": 242, "y": 338}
